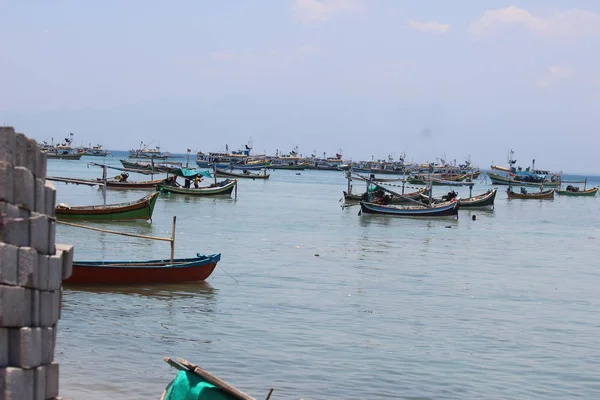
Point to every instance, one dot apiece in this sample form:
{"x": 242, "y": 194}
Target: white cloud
{"x": 322, "y": 10}
{"x": 430, "y": 27}
{"x": 554, "y": 74}
{"x": 572, "y": 22}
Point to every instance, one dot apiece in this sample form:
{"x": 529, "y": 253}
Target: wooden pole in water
{"x": 104, "y": 182}
{"x": 173, "y": 239}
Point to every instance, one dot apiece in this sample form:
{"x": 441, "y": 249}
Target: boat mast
{"x": 104, "y": 183}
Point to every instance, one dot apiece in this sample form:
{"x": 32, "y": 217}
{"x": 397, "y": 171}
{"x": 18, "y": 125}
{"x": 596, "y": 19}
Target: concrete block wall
{"x": 32, "y": 268}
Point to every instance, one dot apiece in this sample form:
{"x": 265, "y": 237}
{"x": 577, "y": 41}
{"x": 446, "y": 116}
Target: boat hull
{"x": 138, "y": 210}
{"x": 502, "y": 180}
{"x": 226, "y": 188}
{"x": 350, "y": 197}
{"x": 147, "y": 272}
{"x": 449, "y": 209}
{"x": 481, "y": 201}
{"x": 589, "y": 192}
{"x": 227, "y": 174}
{"x": 64, "y": 156}
{"x": 252, "y": 167}
{"x": 546, "y": 195}
{"x": 298, "y": 167}
{"x": 148, "y": 185}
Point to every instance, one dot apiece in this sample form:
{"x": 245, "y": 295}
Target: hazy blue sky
{"x": 370, "y": 77}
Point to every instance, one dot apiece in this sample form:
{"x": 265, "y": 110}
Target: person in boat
{"x": 246, "y": 172}
{"x": 451, "y": 195}
{"x": 197, "y": 180}
{"x": 523, "y": 190}
{"x": 123, "y": 177}
{"x": 187, "y": 183}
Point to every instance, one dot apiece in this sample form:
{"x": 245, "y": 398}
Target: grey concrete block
{"x": 16, "y": 306}
{"x": 55, "y": 266}
{"x": 3, "y": 347}
{"x": 16, "y": 229}
{"x": 7, "y": 144}
{"x": 18, "y": 384}
{"x": 48, "y": 344}
{"x": 52, "y": 375}
{"x": 6, "y": 182}
{"x": 21, "y": 149}
{"x": 43, "y": 271}
{"x": 41, "y": 165}
{"x": 39, "y": 383}
{"x": 23, "y": 188}
{"x": 50, "y": 199}
{"x": 40, "y": 196}
{"x": 68, "y": 252}
{"x": 51, "y": 237}
{"x": 25, "y": 347}
{"x": 32, "y": 156}
{"x": 35, "y": 308}
{"x": 39, "y": 232}
{"x": 8, "y": 264}
{"x": 28, "y": 271}
{"x": 49, "y": 308}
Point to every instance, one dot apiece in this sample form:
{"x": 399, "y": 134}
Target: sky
{"x": 372, "y": 78}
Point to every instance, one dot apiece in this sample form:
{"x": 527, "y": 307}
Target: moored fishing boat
{"x": 352, "y": 197}
{"x": 518, "y": 176}
{"x": 446, "y": 209}
{"x": 480, "y": 201}
{"x": 220, "y": 188}
{"x": 143, "y": 272}
{"x": 141, "y": 209}
{"x": 543, "y": 195}
{"x": 145, "y": 151}
{"x": 96, "y": 151}
{"x": 576, "y": 192}
{"x": 141, "y": 185}
{"x": 244, "y": 175}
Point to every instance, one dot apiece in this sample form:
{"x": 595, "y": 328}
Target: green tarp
{"x": 189, "y": 386}
{"x": 190, "y": 173}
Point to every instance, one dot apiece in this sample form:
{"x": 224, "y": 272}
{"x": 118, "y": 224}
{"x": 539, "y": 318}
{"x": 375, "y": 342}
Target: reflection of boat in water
{"x": 167, "y": 291}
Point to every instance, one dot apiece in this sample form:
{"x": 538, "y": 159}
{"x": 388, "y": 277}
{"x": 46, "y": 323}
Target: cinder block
{"x": 3, "y": 348}
{"x": 8, "y": 264}
{"x": 18, "y": 384}
{"x": 28, "y": 270}
{"x": 16, "y": 230}
{"x": 43, "y": 271}
{"x": 21, "y": 149}
{"x": 50, "y": 199}
{"x": 39, "y": 232}
{"x": 7, "y": 144}
{"x": 55, "y": 266}
{"x": 40, "y": 196}
{"x": 48, "y": 344}
{"x": 51, "y": 237}
{"x": 52, "y": 375}
{"x": 15, "y": 310}
{"x": 6, "y": 181}
{"x": 25, "y": 347}
{"x": 41, "y": 165}
{"x": 49, "y": 308}
{"x": 23, "y": 188}
{"x": 39, "y": 383}
{"x": 35, "y": 308}
{"x": 33, "y": 153}
{"x": 67, "y": 251}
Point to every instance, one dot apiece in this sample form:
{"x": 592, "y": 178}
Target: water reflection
{"x": 202, "y": 290}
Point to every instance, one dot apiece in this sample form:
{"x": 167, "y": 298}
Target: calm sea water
{"x": 319, "y": 303}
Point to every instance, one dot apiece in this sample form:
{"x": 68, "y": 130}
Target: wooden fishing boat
{"x": 221, "y": 188}
{"x": 135, "y": 210}
{"x": 498, "y": 179}
{"x": 588, "y": 192}
{"x": 143, "y": 185}
{"x": 483, "y": 200}
{"x": 350, "y": 197}
{"x": 143, "y": 272}
{"x": 446, "y": 209}
{"x": 543, "y": 195}
{"x": 243, "y": 175}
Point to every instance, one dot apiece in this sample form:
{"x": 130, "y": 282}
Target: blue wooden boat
{"x": 447, "y": 209}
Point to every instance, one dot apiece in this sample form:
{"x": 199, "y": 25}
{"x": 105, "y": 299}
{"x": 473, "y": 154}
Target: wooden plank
{"x": 224, "y": 386}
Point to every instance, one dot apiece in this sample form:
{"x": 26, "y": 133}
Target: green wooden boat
{"x": 589, "y": 192}
{"x": 134, "y": 210}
